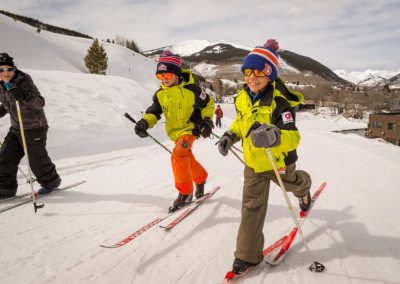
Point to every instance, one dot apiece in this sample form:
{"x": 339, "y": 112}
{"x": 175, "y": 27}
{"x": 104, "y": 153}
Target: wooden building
{"x": 385, "y": 126}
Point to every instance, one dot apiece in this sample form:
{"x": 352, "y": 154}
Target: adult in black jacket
{"x": 16, "y": 85}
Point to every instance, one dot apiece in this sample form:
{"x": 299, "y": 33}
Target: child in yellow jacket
{"x": 188, "y": 112}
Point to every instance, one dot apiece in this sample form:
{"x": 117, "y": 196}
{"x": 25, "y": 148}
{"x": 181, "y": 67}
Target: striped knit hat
{"x": 169, "y": 63}
{"x": 264, "y": 58}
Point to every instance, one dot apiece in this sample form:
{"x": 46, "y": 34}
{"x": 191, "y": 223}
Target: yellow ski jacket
{"x": 184, "y": 106}
{"x": 275, "y": 106}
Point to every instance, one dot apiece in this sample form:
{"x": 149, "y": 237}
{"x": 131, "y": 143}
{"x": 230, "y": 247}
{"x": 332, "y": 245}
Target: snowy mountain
{"x": 353, "y": 230}
{"x": 366, "y": 78}
{"x": 393, "y": 82}
{"x": 191, "y": 47}
{"x": 225, "y": 59}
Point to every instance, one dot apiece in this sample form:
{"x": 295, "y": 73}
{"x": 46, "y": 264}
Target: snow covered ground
{"x": 353, "y": 230}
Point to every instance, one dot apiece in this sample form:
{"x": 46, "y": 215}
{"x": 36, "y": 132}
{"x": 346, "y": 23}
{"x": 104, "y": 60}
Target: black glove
{"x": 141, "y": 127}
{"x": 18, "y": 93}
{"x": 266, "y": 136}
{"x": 226, "y": 142}
{"x": 206, "y": 127}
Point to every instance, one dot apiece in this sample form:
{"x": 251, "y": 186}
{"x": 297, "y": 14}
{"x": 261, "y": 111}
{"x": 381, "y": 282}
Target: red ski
{"x": 277, "y": 258}
{"x": 273, "y": 255}
{"x": 189, "y": 210}
{"x": 151, "y": 224}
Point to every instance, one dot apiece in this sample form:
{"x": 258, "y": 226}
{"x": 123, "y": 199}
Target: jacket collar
{"x": 265, "y": 95}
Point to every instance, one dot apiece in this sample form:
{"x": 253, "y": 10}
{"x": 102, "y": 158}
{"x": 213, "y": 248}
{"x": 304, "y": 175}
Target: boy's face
{"x": 256, "y": 83}
{"x": 6, "y": 73}
{"x": 171, "y": 80}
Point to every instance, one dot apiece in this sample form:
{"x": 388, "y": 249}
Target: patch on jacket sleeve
{"x": 203, "y": 95}
{"x": 287, "y": 117}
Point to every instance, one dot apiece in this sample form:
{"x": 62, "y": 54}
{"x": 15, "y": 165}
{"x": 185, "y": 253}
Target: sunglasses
{"x": 247, "y": 72}
{"x": 162, "y": 76}
{"x": 9, "y": 69}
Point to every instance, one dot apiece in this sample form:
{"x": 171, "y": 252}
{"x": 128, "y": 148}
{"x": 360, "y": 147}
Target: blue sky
{"x": 351, "y": 35}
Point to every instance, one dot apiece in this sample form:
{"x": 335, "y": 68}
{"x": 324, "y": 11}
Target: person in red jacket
{"x": 218, "y": 115}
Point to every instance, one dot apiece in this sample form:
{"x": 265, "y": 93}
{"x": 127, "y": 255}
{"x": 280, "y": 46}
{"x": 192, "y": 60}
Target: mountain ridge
{"x": 222, "y": 53}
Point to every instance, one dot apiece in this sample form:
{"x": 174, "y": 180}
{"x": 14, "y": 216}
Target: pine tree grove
{"x": 96, "y": 59}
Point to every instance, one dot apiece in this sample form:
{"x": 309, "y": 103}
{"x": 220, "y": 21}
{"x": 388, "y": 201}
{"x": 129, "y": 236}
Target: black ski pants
{"x": 11, "y": 153}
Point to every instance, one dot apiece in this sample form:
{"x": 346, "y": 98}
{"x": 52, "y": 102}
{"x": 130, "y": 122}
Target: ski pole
{"x": 22, "y": 172}
{"x": 315, "y": 266}
{"x": 21, "y": 127}
{"x": 155, "y": 140}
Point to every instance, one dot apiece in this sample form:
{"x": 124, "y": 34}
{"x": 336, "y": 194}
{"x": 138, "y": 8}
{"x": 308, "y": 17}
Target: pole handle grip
{"x": 128, "y": 116}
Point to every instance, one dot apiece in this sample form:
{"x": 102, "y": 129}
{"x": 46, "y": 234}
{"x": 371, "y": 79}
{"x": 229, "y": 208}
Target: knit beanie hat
{"x": 169, "y": 63}
{"x": 6, "y": 59}
{"x": 264, "y": 58}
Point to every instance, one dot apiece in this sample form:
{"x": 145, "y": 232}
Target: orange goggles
{"x": 247, "y": 72}
{"x": 162, "y": 76}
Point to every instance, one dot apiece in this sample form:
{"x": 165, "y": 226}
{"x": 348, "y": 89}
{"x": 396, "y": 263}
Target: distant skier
{"x": 218, "y": 116}
{"x": 17, "y": 85}
{"x": 265, "y": 119}
{"x": 188, "y": 112}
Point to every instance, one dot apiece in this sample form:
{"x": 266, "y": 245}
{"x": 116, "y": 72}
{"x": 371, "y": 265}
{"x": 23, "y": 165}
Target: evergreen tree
{"x": 96, "y": 58}
{"x": 133, "y": 46}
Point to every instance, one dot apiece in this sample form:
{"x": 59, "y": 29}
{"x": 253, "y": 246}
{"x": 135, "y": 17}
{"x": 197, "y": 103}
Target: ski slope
{"x": 353, "y": 229}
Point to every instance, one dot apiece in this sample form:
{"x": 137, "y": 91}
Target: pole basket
{"x": 36, "y": 207}
{"x": 317, "y": 267}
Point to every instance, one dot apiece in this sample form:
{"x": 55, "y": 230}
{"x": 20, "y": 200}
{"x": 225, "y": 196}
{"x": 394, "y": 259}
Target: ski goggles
{"x": 162, "y": 76}
{"x": 247, "y": 72}
{"x": 8, "y": 69}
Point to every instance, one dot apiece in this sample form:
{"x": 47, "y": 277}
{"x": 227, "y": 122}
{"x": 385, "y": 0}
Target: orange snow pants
{"x": 185, "y": 167}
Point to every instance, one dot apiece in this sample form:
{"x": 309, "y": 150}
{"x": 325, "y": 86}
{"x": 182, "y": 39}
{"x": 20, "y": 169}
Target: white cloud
{"x": 340, "y": 34}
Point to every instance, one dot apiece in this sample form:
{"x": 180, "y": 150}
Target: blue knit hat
{"x": 169, "y": 63}
{"x": 264, "y": 58}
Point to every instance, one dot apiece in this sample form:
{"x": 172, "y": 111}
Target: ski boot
{"x": 199, "y": 190}
{"x": 7, "y": 193}
{"x": 240, "y": 266}
{"x": 305, "y": 202}
{"x": 181, "y": 201}
{"x": 45, "y": 190}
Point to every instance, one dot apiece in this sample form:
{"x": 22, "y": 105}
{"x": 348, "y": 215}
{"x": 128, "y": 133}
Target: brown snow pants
{"x": 250, "y": 238}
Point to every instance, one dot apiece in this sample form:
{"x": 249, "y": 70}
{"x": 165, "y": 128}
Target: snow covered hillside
{"x": 86, "y": 109}
{"x": 51, "y": 51}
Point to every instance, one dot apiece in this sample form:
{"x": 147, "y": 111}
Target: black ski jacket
{"x": 31, "y": 110}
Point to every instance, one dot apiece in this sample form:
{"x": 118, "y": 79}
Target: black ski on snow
{"x": 277, "y": 251}
{"x": 154, "y": 222}
{"x": 7, "y": 199}
{"x": 27, "y": 198}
